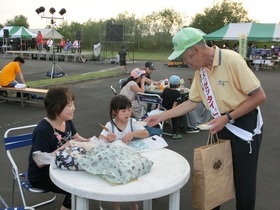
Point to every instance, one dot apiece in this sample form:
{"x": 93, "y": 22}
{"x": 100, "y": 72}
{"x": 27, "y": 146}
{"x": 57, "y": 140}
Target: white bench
{"x": 26, "y": 95}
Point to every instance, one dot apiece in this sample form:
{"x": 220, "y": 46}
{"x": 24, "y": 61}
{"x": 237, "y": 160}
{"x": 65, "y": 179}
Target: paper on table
{"x": 148, "y": 144}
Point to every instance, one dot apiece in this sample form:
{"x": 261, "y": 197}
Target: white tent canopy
{"x": 47, "y": 32}
{"x": 18, "y": 32}
{"x": 253, "y": 31}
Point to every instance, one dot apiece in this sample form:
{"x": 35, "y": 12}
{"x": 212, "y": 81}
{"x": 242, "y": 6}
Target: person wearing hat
{"x": 134, "y": 84}
{"x": 223, "y": 79}
{"x": 171, "y": 97}
{"x": 149, "y": 68}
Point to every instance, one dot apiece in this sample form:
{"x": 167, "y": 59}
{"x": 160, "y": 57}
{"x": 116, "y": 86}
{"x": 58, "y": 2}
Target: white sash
{"x": 210, "y": 98}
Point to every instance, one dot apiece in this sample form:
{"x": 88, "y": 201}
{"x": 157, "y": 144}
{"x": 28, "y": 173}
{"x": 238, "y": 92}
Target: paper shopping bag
{"x": 212, "y": 182}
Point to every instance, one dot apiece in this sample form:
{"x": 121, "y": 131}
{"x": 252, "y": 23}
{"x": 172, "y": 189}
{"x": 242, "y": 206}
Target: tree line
{"x": 151, "y": 33}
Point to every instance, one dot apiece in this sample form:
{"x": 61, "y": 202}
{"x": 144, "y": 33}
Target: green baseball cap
{"x": 184, "y": 39}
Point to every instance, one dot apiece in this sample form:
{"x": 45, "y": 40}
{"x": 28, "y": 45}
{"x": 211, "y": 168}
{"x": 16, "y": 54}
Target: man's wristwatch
{"x": 230, "y": 119}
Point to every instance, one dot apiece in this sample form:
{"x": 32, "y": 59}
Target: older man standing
{"x": 223, "y": 79}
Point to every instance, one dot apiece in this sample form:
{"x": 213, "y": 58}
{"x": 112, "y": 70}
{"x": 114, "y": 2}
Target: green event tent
{"x": 253, "y": 31}
{"x": 18, "y": 32}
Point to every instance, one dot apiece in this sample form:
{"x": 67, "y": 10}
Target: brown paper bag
{"x": 212, "y": 182}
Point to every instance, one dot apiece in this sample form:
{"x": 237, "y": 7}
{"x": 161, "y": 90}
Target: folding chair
{"x": 15, "y": 139}
{"x": 121, "y": 81}
{"x": 148, "y": 102}
{"x": 6, "y": 207}
{"x": 114, "y": 90}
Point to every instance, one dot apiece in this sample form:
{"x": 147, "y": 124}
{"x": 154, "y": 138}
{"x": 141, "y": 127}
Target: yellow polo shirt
{"x": 8, "y": 73}
{"x": 230, "y": 78}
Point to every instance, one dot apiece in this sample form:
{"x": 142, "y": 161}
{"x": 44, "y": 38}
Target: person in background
{"x": 149, "y": 68}
{"x": 236, "y": 47}
{"x": 53, "y": 133}
{"x": 39, "y": 40}
{"x": 275, "y": 51}
{"x": 122, "y": 127}
{"x": 249, "y": 54}
{"x": 249, "y": 50}
{"x": 61, "y": 45}
{"x": 75, "y": 46}
{"x": 135, "y": 83}
{"x": 226, "y": 46}
{"x": 68, "y": 45}
{"x": 223, "y": 79}
{"x": 122, "y": 58}
{"x": 49, "y": 44}
{"x": 171, "y": 97}
{"x": 200, "y": 115}
{"x": 11, "y": 71}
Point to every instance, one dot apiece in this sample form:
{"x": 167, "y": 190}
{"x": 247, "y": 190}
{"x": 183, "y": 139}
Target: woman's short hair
{"x": 56, "y": 100}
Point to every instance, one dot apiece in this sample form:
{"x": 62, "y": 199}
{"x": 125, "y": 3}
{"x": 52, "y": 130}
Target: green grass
{"x": 145, "y": 56}
{"x": 150, "y": 56}
{"x": 47, "y": 83}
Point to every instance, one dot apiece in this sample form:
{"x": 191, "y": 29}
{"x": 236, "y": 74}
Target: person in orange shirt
{"x": 61, "y": 45}
{"x": 39, "y": 40}
{"x": 10, "y": 71}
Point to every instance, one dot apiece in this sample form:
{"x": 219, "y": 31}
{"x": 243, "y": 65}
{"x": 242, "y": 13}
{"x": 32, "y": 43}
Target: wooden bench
{"x": 27, "y": 95}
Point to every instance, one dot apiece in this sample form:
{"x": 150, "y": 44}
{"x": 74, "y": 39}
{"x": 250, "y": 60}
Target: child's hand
{"x": 111, "y": 137}
{"x": 128, "y": 137}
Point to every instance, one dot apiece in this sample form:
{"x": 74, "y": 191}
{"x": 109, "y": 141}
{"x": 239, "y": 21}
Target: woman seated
{"x": 135, "y": 83}
{"x": 75, "y": 46}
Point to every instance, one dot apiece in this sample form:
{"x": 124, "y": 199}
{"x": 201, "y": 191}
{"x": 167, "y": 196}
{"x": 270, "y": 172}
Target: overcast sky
{"x": 266, "y": 11}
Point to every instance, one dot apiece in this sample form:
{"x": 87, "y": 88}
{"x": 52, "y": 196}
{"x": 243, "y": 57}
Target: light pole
{"x": 52, "y": 10}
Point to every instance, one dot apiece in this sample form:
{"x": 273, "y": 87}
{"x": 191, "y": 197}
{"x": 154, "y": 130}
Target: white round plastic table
{"x": 168, "y": 175}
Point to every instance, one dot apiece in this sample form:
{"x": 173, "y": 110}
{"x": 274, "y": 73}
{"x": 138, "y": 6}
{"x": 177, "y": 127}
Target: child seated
{"x": 171, "y": 97}
{"x": 122, "y": 127}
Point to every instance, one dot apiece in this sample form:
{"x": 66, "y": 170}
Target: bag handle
{"x": 212, "y": 139}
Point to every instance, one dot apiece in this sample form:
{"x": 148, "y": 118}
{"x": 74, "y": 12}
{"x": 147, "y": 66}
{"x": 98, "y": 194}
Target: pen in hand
{"x": 111, "y": 136}
{"x": 104, "y": 127}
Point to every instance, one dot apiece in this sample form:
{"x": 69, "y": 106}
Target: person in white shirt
{"x": 49, "y": 44}
{"x": 75, "y": 46}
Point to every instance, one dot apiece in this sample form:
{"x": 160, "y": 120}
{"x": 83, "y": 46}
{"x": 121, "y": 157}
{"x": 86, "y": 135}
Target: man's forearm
{"x": 180, "y": 110}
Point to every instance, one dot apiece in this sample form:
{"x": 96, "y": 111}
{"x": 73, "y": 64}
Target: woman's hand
{"x": 82, "y": 139}
{"x": 78, "y": 137}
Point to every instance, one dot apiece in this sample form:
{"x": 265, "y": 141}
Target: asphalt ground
{"x": 92, "y": 105}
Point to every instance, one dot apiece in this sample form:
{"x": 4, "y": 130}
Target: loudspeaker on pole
{"x": 114, "y": 32}
{"x": 79, "y": 35}
{"x": 6, "y": 33}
